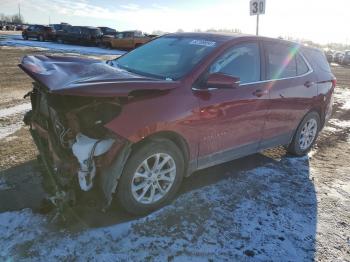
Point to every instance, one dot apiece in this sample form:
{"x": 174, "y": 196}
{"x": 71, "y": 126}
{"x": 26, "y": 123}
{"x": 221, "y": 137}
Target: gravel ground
{"x": 265, "y": 207}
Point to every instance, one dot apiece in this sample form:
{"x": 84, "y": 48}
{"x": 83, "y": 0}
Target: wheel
{"x": 306, "y": 135}
{"x": 41, "y": 38}
{"x": 151, "y": 177}
{"x": 60, "y": 40}
{"x": 25, "y": 37}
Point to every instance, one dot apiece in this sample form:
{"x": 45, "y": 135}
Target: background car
{"x": 39, "y": 32}
{"x": 108, "y": 31}
{"x": 60, "y": 27}
{"x": 345, "y": 59}
{"x": 80, "y": 35}
{"x": 338, "y": 56}
{"x": 330, "y": 56}
{"x": 126, "y": 40}
{"x": 20, "y": 27}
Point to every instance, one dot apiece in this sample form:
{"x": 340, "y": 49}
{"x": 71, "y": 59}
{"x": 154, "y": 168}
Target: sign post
{"x": 257, "y": 7}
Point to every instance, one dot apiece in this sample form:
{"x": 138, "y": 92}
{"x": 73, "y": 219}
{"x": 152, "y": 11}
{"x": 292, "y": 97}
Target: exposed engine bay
{"x": 73, "y": 142}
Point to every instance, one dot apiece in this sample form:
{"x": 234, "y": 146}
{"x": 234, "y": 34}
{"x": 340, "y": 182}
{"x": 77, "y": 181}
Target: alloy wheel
{"x": 154, "y": 178}
{"x": 308, "y": 134}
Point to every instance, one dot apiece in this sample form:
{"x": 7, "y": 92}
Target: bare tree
{"x": 17, "y": 19}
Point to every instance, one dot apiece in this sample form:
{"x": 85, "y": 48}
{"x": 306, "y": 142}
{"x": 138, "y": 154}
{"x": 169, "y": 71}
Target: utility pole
{"x": 19, "y": 9}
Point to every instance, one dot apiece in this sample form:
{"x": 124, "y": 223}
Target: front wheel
{"x": 151, "y": 177}
{"x": 306, "y": 135}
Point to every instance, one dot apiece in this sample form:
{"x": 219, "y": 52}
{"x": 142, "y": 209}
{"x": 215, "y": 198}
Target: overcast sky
{"x": 322, "y": 21}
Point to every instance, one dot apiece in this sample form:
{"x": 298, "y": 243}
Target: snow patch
{"x": 15, "y": 110}
{"x": 12, "y": 112}
{"x": 10, "y": 129}
{"x": 342, "y": 96}
{"x": 17, "y": 41}
{"x": 340, "y": 123}
{"x": 261, "y": 213}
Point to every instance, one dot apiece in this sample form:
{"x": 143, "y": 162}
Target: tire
{"x": 299, "y": 148}
{"x": 127, "y": 197}
{"x": 25, "y": 37}
{"x": 41, "y": 38}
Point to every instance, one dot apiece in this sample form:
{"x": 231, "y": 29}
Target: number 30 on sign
{"x": 257, "y": 7}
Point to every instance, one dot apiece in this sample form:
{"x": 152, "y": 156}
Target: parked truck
{"x": 126, "y": 40}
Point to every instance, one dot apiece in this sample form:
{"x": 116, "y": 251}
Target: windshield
{"x": 168, "y": 57}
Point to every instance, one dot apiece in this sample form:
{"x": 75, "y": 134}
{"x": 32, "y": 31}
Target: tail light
{"x": 334, "y": 82}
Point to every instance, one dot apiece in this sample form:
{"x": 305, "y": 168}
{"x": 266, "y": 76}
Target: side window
{"x": 280, "y": 59}
{"x": 242, "y": 61}
{"x": 302, "y": 67}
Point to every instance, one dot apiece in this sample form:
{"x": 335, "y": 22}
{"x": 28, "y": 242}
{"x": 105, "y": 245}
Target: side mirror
{"x": 217, "y": 80}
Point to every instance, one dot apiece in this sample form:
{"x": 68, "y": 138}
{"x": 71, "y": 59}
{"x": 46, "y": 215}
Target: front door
{"x": 232, "y": 120}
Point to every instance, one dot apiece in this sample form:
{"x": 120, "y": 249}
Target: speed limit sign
{"x": 257, "y": 7}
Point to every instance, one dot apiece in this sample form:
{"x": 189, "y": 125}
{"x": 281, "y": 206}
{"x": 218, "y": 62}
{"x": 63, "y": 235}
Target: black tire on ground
{"x": 107, "y": 45}
{"x": 295, "y": 148}
{"x": 124, "y": 193}
{"x": 25, "y": 37}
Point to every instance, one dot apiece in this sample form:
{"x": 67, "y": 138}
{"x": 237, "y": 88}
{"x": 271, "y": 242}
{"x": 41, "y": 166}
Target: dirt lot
{"x": 268, "y": 206}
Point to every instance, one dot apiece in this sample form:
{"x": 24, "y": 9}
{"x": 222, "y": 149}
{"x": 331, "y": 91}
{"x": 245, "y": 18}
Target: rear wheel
{"x": 306, "y": 135}
{"x": 151, "y": 177}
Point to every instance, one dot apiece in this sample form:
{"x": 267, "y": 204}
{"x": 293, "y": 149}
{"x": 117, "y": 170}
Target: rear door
{"x": 125, "y": 40}
{"x": 30, "y": 30}
{"x": 231, "y": 120}
{"x": 292, "y": 86}
{"x": 76, "y": 34}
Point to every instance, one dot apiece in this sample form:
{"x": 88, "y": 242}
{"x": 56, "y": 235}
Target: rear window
{"x": 302, "y": 67}
{"x": 281, "y": 62}
{"x": 317, "y": 59}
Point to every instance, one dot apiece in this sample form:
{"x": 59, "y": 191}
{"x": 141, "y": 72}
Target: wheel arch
{"x": 176, "y": 138}
{"x": 319, "y": 110}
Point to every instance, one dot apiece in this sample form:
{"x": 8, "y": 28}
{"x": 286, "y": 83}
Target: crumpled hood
{"x": 87, "y": 77}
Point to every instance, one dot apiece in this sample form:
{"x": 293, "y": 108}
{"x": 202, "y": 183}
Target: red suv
{"x": 137, "y": 125}
{"x": 39, "y": 32}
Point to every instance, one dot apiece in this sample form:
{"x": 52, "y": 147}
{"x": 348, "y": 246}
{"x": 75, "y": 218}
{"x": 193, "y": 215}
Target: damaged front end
{"x": 74, "y": 100}
{"x": 74, "y": 145}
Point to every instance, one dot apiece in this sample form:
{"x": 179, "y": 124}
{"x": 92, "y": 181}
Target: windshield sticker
{"x": 203, "y": 43}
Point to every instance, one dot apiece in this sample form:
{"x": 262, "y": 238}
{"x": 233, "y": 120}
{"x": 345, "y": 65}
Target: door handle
{"x": 260, "y": 93}
{"x": 309, "y": 84}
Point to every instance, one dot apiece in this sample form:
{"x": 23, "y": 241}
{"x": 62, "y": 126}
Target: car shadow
{"x": 22, "y": 187}
{"x": 293, "y": 191}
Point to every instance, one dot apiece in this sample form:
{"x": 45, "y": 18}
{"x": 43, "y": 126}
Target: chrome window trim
{"x": 285, "y": 78}
{"x": 310, "y": 71}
